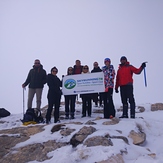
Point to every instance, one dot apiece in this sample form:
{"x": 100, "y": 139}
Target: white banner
{"x": 83, "y": 83}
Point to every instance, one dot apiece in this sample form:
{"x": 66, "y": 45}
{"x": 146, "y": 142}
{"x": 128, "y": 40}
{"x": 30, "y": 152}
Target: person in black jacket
{"x": 36, "y": 79}
{"x": 96, "y": 95}
{"x": 86, "y": 98}
{"x": 54, "y": 95}
{"x": 70, "y": 100}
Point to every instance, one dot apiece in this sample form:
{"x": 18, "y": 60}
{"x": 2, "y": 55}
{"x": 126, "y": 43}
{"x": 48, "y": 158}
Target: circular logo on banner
{"x": 70, "y": 83}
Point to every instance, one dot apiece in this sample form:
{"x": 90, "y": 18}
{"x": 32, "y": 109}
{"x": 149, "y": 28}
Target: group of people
{"x": 37, "y": 77}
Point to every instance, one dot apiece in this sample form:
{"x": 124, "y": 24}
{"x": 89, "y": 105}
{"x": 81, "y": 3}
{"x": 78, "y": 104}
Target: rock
{"x": 141, "y": 109}
{"x": 11, "y": 137}
{"x": 98, "y": 140}
{"x": 79, "y": 137}
{"x": 153, "y": 155}
{"x": 97, "y": 118}
{"x": 157, "y": 106}
{"x": 114, "y": 159}
{"x": 138, "y": 138}
{"x": 90, "y": 123}
{"x": 66, "y": 132}
{"x": 57, "y": 127}
{"x": 112, "y": 121}
{"x": 32, "y": 152}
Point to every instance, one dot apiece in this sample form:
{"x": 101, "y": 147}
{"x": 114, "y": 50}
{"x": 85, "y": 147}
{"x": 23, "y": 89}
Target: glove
{"x": 116, "y": 90}
{"x": 23, "y": 85}
{"x": 143, "y": 65}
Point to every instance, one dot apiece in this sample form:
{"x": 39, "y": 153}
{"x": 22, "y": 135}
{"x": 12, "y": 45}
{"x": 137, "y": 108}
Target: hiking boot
{"x": 56, "y": 120}
{"x": 72, "y": 117}
{"x": 47, "y": 122}
{"x": 66, "y": 117}
{"x": 111, "y": 117}
{"x": 132, "y": 116}
{"x": 124, "y": 116}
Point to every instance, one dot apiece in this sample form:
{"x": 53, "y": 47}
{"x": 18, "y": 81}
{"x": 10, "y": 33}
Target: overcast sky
{"x": 60, "y": 31}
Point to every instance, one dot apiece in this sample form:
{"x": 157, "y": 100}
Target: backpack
{"x": 32, "y": 116}
{"x": 4, "y": 113}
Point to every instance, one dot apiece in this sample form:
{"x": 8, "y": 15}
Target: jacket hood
{"x": 126, "y": 64}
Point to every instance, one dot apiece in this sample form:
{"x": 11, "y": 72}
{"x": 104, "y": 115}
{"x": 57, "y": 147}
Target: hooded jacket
{"x": 125, "y": 73}
{"x": 36, "y": 77}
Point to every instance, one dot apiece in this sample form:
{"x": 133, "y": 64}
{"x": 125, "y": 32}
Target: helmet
{"x": 107, "y": 60}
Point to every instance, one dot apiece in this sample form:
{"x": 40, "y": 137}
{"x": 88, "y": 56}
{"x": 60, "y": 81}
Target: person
{"x": 77, "y": 68}
{"x": 109, "y": 75}
{"x": 36, "y": 79}
{"x": 96, "y": 68}
{"x": 70, "y": 100}
{"x": 86, "y": 98}
{"x": 54, "y": 95}
{"x": 124, "y": 80}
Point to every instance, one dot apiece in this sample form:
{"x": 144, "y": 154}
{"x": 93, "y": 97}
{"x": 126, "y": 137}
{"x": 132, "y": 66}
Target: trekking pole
{"x": 23, "y": 101}
{"x": 145, "y": 79}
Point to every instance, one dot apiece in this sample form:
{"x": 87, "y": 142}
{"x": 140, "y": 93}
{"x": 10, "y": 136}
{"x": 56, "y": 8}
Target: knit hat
{"x": 107, "y": 60}
{"x": 123, "y": 58}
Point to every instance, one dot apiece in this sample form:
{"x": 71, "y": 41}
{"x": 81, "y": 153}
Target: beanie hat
{"x": 107, "y": 60}
{"x": 123, "y": 58}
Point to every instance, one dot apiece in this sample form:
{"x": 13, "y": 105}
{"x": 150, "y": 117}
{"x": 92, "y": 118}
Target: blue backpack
{"x": 33, "y": 116}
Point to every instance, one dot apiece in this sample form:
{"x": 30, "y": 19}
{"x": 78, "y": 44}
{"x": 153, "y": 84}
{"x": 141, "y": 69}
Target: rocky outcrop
{"x": 79, "y": 137}
{"x": 98, "y": 140}
{"x": 157, "y": 106}
{"x": 114, "y": 159}
{"x": 32, "y": 152}
{"x": 137, "y": 137}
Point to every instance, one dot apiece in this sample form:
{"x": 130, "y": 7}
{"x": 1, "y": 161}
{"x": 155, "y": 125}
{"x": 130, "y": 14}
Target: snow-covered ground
{"x": 151, "y": 123}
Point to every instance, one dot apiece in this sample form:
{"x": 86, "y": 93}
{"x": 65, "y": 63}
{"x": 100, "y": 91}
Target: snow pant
{"x": 126, "y": 93}
{"x": 31, "y": 93}
{"x": 86, "y": 104}
{"x": 109, "y": 108}
{"x": 95, "y": 98}
{"x": 100, "y": 98}
{"x": 70, "y": 105}
{"x": 53, "y": 101}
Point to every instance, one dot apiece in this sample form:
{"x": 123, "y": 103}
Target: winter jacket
{"x": 125, "y": 73}
{"x": 36, "y": 77}
{"x": 54, "y": 84}
{"x": 96, "y": 70}
{"x": 77, "y": 70}
{"x": 109, "y": 74}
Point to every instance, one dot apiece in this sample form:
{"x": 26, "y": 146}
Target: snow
{"x": 150, "y": 122}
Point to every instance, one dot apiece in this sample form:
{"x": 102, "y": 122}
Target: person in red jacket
{"x": 124, "y": 80}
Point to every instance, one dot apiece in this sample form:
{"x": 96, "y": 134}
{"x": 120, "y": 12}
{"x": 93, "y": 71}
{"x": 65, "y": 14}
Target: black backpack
{"x": 4, "y": 113}
{"x": 33, "y": 115}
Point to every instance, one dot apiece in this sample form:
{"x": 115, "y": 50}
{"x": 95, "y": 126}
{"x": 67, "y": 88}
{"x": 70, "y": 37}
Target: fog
{"x": 60, "y": 31}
